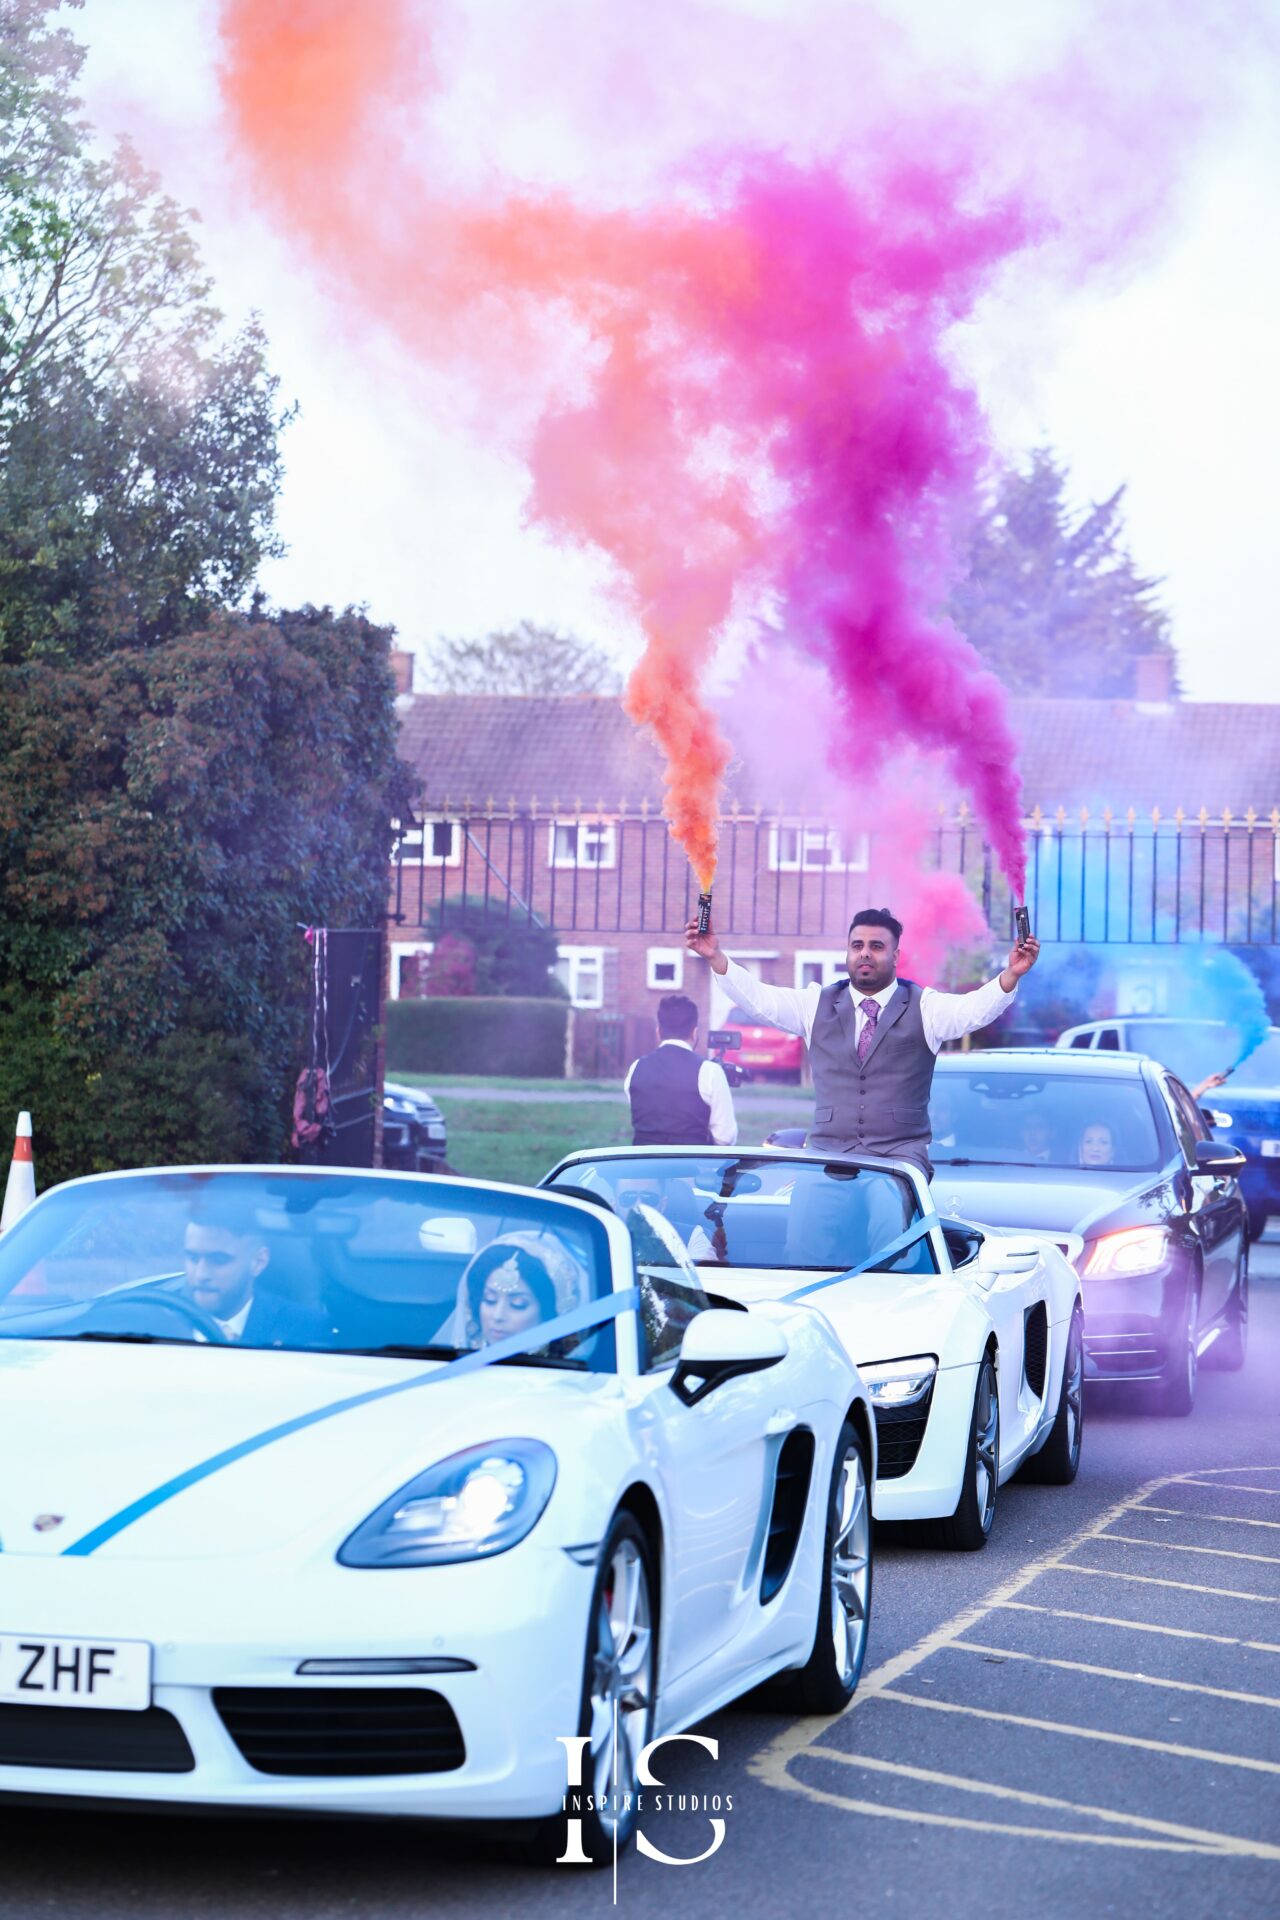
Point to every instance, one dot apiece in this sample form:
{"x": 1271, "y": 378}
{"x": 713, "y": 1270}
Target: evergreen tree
{"x": 1051, "y": 597}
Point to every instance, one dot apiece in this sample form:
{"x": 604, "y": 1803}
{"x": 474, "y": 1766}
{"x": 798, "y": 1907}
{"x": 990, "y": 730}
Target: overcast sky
{"x": 1162, "y": 376}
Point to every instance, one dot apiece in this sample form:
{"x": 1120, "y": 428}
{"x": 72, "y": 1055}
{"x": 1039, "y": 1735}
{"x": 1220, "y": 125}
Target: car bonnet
{"x": 87, "y": 1431}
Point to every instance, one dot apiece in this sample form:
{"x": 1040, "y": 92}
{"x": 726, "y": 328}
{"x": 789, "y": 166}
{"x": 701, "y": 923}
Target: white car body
{"x": 957, "y": 1315}
{"x": 234, "y": 1582}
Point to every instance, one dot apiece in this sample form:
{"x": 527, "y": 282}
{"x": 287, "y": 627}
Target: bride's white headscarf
{"x": 566, "y": 1272}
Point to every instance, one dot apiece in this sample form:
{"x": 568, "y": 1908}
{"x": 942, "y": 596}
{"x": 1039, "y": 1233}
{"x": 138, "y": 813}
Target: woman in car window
{"x": 516, "y": 1282}
{"x": 1097, "y": 1148}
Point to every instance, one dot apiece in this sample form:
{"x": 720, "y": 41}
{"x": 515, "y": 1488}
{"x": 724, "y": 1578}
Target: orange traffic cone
{"x": 20, "y": 1189}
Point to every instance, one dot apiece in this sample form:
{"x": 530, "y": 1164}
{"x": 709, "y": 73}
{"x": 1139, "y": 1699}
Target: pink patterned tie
{"x": 872, "y": 1010}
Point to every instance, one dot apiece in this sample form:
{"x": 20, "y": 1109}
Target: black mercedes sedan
{"x": 1111, "y": 1156}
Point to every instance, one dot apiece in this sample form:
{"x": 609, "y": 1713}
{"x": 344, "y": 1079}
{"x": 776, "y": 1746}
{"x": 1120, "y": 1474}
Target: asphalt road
{"x": 1083, "y": 1718}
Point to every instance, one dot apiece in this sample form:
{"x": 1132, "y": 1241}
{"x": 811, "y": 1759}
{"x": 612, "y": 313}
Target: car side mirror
{"x": 720, "y": 1344}
{"x": 1007, "y": 1256}
{"x": 1219, "y": 1157}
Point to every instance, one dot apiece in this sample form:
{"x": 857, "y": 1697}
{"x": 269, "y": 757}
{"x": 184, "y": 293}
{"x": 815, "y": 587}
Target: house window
{"x": 820, "y": 968}
{"x": 665, "y": 970}
{"x": 437, "y": 842}
{"x": 580, "y": 971}
{"x": 409, "y": 967}
{"x": 814, "y": 850}
{"x": 582, "y": 843}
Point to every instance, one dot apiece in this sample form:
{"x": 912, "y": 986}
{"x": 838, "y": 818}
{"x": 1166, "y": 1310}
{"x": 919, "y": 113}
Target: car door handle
{"x": 780, "y": 1422}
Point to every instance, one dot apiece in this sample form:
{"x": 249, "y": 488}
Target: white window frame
{"x": 570, "y": 956}
{"x": 809, "y": 843}
{"x": 414, "y": 852}
{"x": 402, "y": 950}
{"x": 600, "y": 836}
{"x": 834, "y": 965}
{"x": 664, "y": 957}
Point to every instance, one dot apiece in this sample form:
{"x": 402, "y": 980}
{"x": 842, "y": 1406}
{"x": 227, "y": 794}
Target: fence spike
{"x": 1275, "y": 819}
{"x": 1226, "y": 817}
{"x": 1061, "y": 816}
{"x": 1179, "y": 815}
{"x": 1203, "y": 818}
{"x": 1107, "y": 817}
{"x": 1251, "y": 818}
{"x": 1037, "y": 815}
{"x": 1084, "y": 818}
{"x": 488, "y": 806}
{"x": 1155, "y": 816}
{"x": 1130, "y": 817}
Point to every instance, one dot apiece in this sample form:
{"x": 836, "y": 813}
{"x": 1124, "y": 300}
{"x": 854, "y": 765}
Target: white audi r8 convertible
{"x": 367, "y": 1493}
{"x": 969, "y": 1339}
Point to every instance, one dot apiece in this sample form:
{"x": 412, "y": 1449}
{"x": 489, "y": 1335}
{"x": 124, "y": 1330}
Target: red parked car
{"x": 767, "y": 1054}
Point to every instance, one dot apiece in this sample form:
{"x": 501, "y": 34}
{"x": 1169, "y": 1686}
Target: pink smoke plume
{"x": 740, "y": 386}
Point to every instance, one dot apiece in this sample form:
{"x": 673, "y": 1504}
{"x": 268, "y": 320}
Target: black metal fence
{"x": 1105, "y": 879}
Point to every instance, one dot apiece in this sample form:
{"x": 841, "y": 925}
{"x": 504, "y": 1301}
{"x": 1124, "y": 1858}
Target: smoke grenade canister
{"x": 704, "y": 914}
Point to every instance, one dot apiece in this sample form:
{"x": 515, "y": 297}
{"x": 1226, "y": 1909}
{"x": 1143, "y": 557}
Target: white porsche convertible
{"x": 368, "y": 1492}
{"x": 969, "y": 1339}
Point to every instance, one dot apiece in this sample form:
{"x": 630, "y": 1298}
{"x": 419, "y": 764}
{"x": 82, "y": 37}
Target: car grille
{"x": 899, "y": 1434}
{"x": 1125, "y": 1354}
{"x": 93, "y": 1737}
{"x": 342, "y": 1730}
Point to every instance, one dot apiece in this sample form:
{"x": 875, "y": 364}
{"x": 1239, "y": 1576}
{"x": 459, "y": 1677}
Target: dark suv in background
{"x": 414, "y": 1136}
{"x": 1246, "y": 1110}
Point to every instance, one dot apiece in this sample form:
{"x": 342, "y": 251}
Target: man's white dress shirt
{"x": 713, "y": 1086}
{"x": 945, "y": 1016}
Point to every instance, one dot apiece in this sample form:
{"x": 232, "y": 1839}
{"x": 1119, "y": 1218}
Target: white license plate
{"x": 1271, "y": 1149}
{"x": 40, "y": 1672}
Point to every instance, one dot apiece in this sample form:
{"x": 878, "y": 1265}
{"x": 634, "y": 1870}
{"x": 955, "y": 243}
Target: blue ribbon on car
{"x": 593, "y": 1313}
{"x": 916, "y": 1231}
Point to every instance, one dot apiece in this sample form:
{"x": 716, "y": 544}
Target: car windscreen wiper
{"x": 129, "y": 1339}
{"x": 398, "y": 1350}
{"x": 962, "y": 1162}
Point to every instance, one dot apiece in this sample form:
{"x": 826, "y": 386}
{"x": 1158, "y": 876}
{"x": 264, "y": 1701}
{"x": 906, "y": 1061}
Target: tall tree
{"x": 138, "y": 445}
{"x": 1051, "y": 597}
{"x": 526, "y": 659}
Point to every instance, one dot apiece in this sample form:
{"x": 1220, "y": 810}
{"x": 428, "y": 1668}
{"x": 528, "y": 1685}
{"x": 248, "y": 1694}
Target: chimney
{"x": 1154, "y": 683}
{"x": 402, "y": 671}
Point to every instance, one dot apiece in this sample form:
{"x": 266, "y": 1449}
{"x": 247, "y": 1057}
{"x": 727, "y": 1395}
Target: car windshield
{"x": 306, "y": 1261}
{"x": 1193, "y": 1050}
{"x": 740, "y": 1210}
{"x": 996, "y": 1116}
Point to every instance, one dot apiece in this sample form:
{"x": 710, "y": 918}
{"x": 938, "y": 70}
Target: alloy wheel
{"x": 621, "y": 1682}
{"x": 851, "y": 1567}
{"x": 986, "y": 1441}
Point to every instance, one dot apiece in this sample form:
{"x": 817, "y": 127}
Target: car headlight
{"x": 474, "y": 1504}
{"x": 1131, "y": 1250}
{"x": 897, "y": 1383}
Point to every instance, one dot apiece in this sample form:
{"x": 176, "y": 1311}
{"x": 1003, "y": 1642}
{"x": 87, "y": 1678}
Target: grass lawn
{"x": 503, "y": 1140}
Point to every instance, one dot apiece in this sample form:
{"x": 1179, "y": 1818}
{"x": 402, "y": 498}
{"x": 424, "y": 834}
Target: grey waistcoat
{"x": 880, "y": 1106}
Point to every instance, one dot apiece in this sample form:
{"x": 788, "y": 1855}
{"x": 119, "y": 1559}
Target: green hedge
{"x": 477, "y": 1035}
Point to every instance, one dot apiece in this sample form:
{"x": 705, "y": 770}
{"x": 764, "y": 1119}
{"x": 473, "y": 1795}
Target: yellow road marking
{"x": 1226, "y": 1519}
{"x": 1235, "y": 1486}
{"x": 1177, "y": 1546}
{"x": 1244, "y": 1760}
{"x": 1192, "y": 1839}
{"x": 1154, "y": 1580}
{"x": 1142, "y": 1626}
{"x": 1117, "y": 1673}
{"x": 772, "y": 1764}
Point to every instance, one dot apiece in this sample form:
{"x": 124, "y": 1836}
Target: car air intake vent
{"x": 899, "y": 1434}
{"x": 1035, "y": 1347}
{"x": 790, "y": 1498}
{"x": 316, "y": 1731}
{"x": 93, "y": 1737}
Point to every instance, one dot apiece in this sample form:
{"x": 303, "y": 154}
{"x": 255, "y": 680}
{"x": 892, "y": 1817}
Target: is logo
{"x": 637, "y": 1801}
{"x": 46, "y": 1522}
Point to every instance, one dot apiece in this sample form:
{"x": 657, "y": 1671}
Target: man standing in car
{"x": 873, "y": 1039}
{"x": 677, "y": 1098}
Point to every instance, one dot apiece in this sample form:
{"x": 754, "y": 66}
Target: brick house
{"x": 551, "y": 807}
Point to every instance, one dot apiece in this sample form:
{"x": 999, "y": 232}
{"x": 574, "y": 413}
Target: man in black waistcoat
{"x": 872, "y": 1038}
{"x": 677, "y": 1098}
